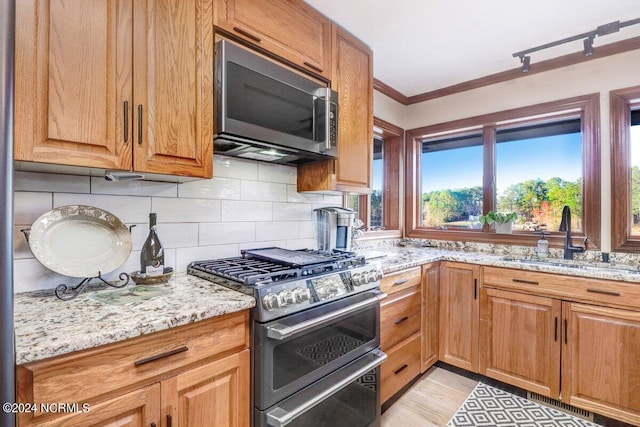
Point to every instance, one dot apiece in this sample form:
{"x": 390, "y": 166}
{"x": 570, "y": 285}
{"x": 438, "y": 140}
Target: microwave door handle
{"x": 280, "y": 417}
{"x": 314, "y": 119}
{"x": 327, "y": 121}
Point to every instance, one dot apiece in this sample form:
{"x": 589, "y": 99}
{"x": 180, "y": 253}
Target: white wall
{"x": 247, "y": 204}
{"x": 599, "y": 75}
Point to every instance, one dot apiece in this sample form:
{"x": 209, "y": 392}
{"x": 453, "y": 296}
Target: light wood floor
{"x": 431, "y": 401}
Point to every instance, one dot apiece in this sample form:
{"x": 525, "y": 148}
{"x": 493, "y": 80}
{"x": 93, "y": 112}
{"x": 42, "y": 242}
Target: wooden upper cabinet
{"x": 116, "y": 84}
{"x": 173, "y": 87}
{"x": 352, "y": 78}
{"x": 73, "y": 75}
{"x": 601, "y": 360}
{"x": 290, "y": 29}
{"x": 520, "y": 340}
{"x": 459, "y": 316}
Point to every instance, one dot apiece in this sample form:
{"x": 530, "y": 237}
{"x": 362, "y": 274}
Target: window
{"x": 380, "y": 210}
{"x": 625, "y": 169}
{"x": 532, "y": 161}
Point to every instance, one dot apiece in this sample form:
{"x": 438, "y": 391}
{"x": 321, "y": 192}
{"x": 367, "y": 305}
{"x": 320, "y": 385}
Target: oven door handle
{"x": 280, "y": 416}
{"x": 280, "y": 331}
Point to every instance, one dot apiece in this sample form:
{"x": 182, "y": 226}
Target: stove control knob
{"x": 372, "y": 276}
{"x": 356, "y": 279}
{"x": 271, "y": 302}
{"x": 302, "y": 294}
{"x": 286, "y": 298}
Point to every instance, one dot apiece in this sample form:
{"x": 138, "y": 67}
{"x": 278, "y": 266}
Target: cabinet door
{"x": 216, "y": 394}
{"x": 73, "y": 78}
{"x": 140, "y": 408}
{"x": 520, "y": 340}
{"x": 173, "y": 87}
{"x": 601, "y": 360}
{"x": 290, "y": 29}
{"x": 430, "y": 289}
{"x": 353, "y": 80}
{"x": 458, "y": 337}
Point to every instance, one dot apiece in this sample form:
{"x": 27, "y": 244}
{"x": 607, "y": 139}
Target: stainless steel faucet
{"x": 565, "y": 225}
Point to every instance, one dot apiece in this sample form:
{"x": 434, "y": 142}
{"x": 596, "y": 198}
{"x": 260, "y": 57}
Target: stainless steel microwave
{"x": 267, "y": 112}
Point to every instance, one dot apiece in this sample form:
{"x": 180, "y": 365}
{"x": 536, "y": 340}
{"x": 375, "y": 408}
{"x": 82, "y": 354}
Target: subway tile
{"x": 177, "y": 235}
{"x": 233, "y": 167}
{"x": 277, "y": 230}
{"x": 246, "y": 210}
{"x": 307, "y": 229}
{"x": 265, "y": 244}
{"x": 29, "y": 275}
{"x": 263, "y": 191}
{"x": 186, "y": 210}
{"x": 333, "y": 200}
{"x": 219, "y": 233}
{"x": 301, "y": 244}
{"x": 292, "y": 212}
{"x": 48, "y": 182}
{"x": 215, "y": 188}
{"x": 277, "y": 173}
{"x": 128, "y": 208}
{"x": 133, "y": 188}
{"x": 186, "y": 255}
{"x": 27, "y": 207}
{"x": 294, "y": 197}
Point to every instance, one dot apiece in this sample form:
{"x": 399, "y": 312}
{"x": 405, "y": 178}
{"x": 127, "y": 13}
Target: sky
{"x": 517, "y": 161}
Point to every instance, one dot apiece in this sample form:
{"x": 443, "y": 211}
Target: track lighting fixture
{"x": 588, "y": 46}
{"x": 602, "y": 30}
{"x": 526, "y": 63}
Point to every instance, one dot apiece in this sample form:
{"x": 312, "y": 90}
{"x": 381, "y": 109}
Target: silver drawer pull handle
{"x": 280, "y": 417}
{"x": 280, "y": 332}
{"x": 400, "y": 282}
{"x": 402, "y": 319}
{"x": 602, "y": 291}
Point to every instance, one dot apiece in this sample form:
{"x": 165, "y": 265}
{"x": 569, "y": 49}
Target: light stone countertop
{"x": 46, "y": 326}
{"x": 400, "y": 258}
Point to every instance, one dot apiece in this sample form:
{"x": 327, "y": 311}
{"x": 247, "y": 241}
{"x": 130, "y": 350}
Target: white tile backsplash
{"x": 246, "y": 205}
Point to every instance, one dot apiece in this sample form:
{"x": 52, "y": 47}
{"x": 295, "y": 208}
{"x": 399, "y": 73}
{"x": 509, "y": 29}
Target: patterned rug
{"x": 492, "y": 407}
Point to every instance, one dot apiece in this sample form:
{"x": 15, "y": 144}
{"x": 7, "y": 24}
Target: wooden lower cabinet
{"x": 196, "y": 375}
{"x": 430, "y": 290}
{"x": 601, "y": 360}
{"x": 459, "y": 317}
{"x": 400, "y": 330}
{"x": 139, "y": 408}
{"x": 520, "y": 340}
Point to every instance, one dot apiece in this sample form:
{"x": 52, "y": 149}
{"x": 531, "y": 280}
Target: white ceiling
{"x": 423, "y": 45}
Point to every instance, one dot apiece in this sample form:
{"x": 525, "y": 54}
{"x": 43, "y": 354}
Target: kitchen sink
{"x": 575, "y": 265}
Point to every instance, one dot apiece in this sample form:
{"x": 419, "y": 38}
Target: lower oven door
{"x": 295, "y": 351}
{"x": 348, "y": 397}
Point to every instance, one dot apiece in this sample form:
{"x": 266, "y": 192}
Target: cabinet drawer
{"x": 399, "y": 318}
{"x": 400, "y": 280}
{"x": 570, "y": 288}
{"x": 402, "y": 366}
{"x": 131, "y": 363}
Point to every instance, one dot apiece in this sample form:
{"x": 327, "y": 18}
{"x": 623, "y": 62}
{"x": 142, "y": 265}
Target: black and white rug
{"x": 489, "y": 406}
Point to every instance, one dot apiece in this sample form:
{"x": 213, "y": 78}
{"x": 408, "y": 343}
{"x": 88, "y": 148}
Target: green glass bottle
{"x": 152, "y": 253}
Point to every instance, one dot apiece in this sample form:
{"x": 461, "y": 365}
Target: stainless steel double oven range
{"x": 315, "y": 331}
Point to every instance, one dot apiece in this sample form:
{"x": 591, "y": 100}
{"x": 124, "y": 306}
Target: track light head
{"x": 526, "y": 63}
{"x": 588, "y": 47}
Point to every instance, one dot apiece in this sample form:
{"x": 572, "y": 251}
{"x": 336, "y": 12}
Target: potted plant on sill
{"x": 502, "y": 220}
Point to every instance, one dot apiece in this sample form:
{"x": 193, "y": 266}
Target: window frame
{"x": 393, "y": 189}
{"x": 620, "y": 106}
{"x": 587, "y": 106}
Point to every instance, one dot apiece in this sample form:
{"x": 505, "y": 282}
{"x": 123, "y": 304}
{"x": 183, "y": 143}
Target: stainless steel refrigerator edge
{"x": 7, "y": 364}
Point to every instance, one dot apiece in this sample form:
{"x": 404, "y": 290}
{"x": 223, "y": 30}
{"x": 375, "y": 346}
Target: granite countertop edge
{"x": 45, "y": 326}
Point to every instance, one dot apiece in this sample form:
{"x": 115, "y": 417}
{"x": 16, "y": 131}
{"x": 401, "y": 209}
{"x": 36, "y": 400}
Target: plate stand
{"x": 66, "y": 293}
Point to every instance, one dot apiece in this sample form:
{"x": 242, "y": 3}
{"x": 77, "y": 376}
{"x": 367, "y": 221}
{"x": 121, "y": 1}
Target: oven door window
{"x": 285, "y": 365}
{"x": 263, "y": 101}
